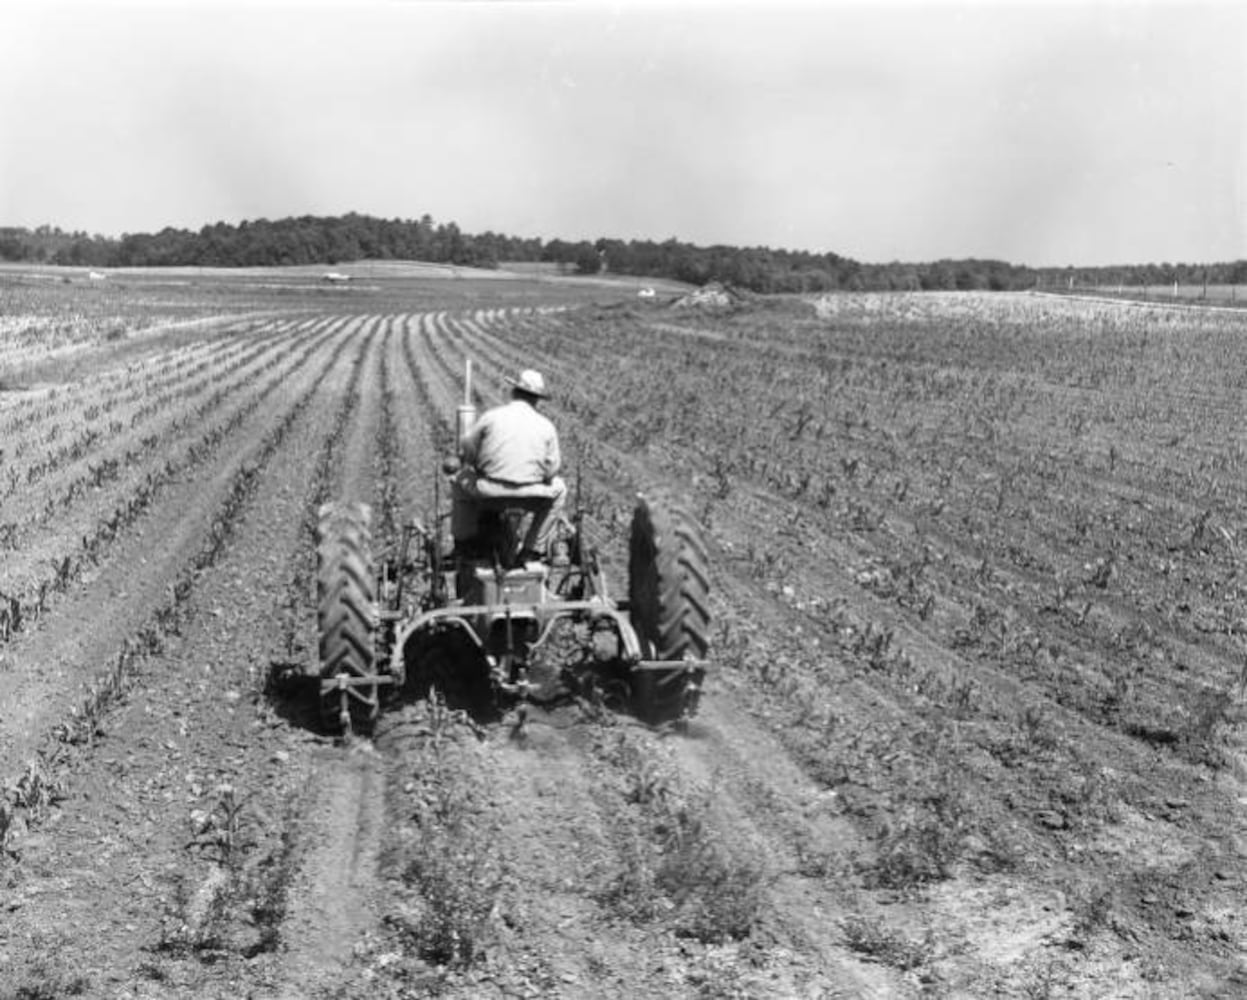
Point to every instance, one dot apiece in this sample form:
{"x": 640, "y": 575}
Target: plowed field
{"x": 974, "y": 726}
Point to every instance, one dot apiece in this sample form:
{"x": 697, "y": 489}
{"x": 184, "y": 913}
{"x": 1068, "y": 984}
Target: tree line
{"x": 337, "y": 239}
{"x": 263, "y": 242}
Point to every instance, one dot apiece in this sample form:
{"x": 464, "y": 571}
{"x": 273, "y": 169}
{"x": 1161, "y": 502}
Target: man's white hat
{"x": 531, "y": 382}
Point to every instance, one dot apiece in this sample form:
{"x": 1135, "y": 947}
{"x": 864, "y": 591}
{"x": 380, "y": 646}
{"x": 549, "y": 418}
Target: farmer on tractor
{"x": 510, "y": 456}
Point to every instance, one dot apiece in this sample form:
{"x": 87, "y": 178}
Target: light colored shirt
{"x": 513, "y": 443}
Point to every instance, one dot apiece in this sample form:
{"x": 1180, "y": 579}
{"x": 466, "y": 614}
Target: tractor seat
{"x": 504, "y": 524}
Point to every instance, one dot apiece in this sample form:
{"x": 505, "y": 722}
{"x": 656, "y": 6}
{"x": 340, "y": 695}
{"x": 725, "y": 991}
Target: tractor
{"x": 473, "y": 625}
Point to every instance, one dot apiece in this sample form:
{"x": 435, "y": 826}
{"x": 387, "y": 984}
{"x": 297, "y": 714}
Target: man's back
{"x": 514, "y": 444}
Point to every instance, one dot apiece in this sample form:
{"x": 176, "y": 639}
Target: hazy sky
{"x": 1090, "y": 133}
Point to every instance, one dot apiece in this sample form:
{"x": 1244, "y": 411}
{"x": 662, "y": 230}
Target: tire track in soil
{"x": 332, "y": 891}
{"x": 191, "y": 721}
{"x": 338, "y": 893}
{"x": 556, "y": 834}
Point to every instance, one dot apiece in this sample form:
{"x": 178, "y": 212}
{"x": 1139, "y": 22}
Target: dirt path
{"x": 331, "y": 898}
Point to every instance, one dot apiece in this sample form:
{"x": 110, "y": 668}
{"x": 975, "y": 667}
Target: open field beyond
{"x": 975, "y": 722}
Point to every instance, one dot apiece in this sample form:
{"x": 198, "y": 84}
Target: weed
{"x": 1047, "y": 978}
{"x": 722, "y": 478}
{"x": 458, "y": 884}
{"x": 711, "y": 889}
{"x": 932, "y": 816}
{"x": 920, "y": 845}
{"x": 1117, "y": 703}
{"x": 717, "y": 893}
{"x": 1094, "y": 797}
{"x": 193, "y": 921}
{"x": 267, "y": 889}
{"x": 152, "y": 971}
{"x": 869, "y": 936}
{"x": 1093, "y": 914}
{"x": 446, "y": 860}
{"x": 632, "y": 891}
{"x": 816, "y": 862}
{"x": 44, "y": 981}
{"x": 1211, "y": 710}
{"x": 721, "y": 974}
{"x": 174, "y": 938}
{"x": 1038, "y": 737}
{"x": 963, "y": 695}
{"x": 37, "y": 788}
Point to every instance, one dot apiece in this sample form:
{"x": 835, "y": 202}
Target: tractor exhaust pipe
{"x": 465, "y": 415}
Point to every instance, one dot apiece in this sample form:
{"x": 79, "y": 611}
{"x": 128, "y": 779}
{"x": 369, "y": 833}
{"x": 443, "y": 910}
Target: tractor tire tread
{"x": 669, "y": 587}
{"x": 346, "y": 604}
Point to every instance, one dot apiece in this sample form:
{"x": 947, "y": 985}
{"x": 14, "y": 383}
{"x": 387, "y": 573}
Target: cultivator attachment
{"x": 677, "y": 689}
{"x": 346, "y": 697}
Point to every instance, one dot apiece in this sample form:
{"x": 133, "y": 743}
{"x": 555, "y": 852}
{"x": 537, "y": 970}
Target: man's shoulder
{"x": 531, "y": 414}
{"x": 499, "y": 412}
{"x": 544, "y": 422}
{"x": 510, "y": 406}
{"x": 517, "y": 413}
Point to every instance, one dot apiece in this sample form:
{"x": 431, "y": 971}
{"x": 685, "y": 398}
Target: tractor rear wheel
{"x": 347, "y": 612}
{"x": 669, "y": 596}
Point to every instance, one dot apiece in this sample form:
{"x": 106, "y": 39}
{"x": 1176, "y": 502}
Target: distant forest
{"x": 351, "y": 237}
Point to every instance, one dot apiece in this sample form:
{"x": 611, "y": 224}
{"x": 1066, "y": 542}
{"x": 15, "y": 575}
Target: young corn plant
{"x": 221, "y": 829}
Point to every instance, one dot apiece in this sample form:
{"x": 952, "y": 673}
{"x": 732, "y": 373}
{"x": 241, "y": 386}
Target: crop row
{"x": 112, "y": 456}
{"x": 111, "y": 378}
{"x": 40, "y": 320}
{"x": 145, "y": 391}
{"x": 117, "y": 382}
{"x": 29, "y": 598}
{"x": 35, "y": 411}
{"x": 438, "y": 397}
{"x": 43, "y": 778}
